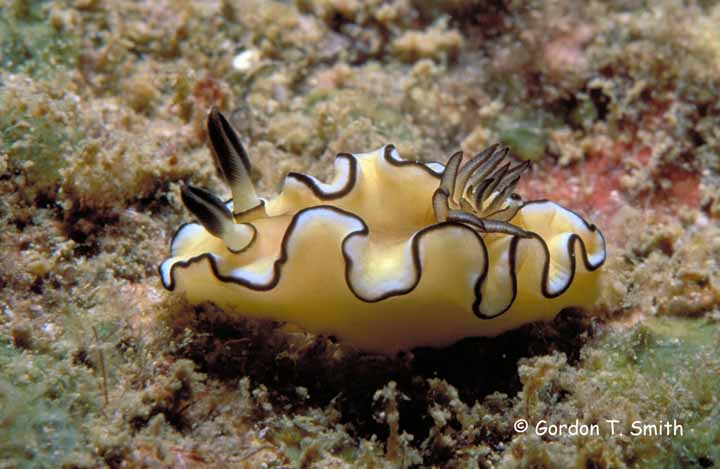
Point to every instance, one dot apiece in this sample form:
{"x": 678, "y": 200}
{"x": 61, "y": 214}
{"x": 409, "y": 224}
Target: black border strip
{"x": 240, "y": 251}
{"x": 400, "y": 163}
{"x": 415, "y": 244}
{"x": 250, "y": 212}
{"x": 570, "y": 246}
{"x": 277, "y": 265}
{"x": 513, "y": 282}
{"x": 353, "y": 173}
{"x": 415, "y": 252}
{"x": 310, "y": 183}
{"x": 589, "y": 226}
{"x": 249, "y": 244}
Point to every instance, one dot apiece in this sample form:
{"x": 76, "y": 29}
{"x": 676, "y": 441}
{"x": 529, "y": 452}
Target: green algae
{"x": 669, "y": 368}
{"x": 44, "y": 401}
{"x": 526, "y": 136}
{"x": 31, "y": 44}
{"x": 36, "y": 146}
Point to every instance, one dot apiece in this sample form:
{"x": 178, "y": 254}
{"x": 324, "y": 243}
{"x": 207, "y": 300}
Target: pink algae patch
{"x": 684, "y": 188}
{"x": 594, "y": 187}
{"x": 591, "y": 188}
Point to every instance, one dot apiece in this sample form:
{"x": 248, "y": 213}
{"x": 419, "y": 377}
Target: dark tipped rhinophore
{"x": 207, "y": 208}
{"x": 226, "y": 145}
{"x": 233, "y": 160}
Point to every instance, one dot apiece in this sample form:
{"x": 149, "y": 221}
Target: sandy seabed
{"x": 102, "y": 114}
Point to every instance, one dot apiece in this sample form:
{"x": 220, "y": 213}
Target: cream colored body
{"x": 384, "y": 303}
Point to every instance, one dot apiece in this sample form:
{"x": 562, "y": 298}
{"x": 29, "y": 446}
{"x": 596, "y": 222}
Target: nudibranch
{"x": 392, "y": 254}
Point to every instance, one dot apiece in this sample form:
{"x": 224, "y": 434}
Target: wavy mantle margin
{"x": 347, "y": 180}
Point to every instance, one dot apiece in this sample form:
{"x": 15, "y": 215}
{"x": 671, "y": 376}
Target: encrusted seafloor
{"x": 102, "y": 110}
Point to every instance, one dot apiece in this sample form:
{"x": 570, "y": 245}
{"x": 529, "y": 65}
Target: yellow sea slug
{"x": 390, "y": 255}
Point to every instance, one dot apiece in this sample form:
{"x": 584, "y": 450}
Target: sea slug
{"x": 390, "y": 255}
